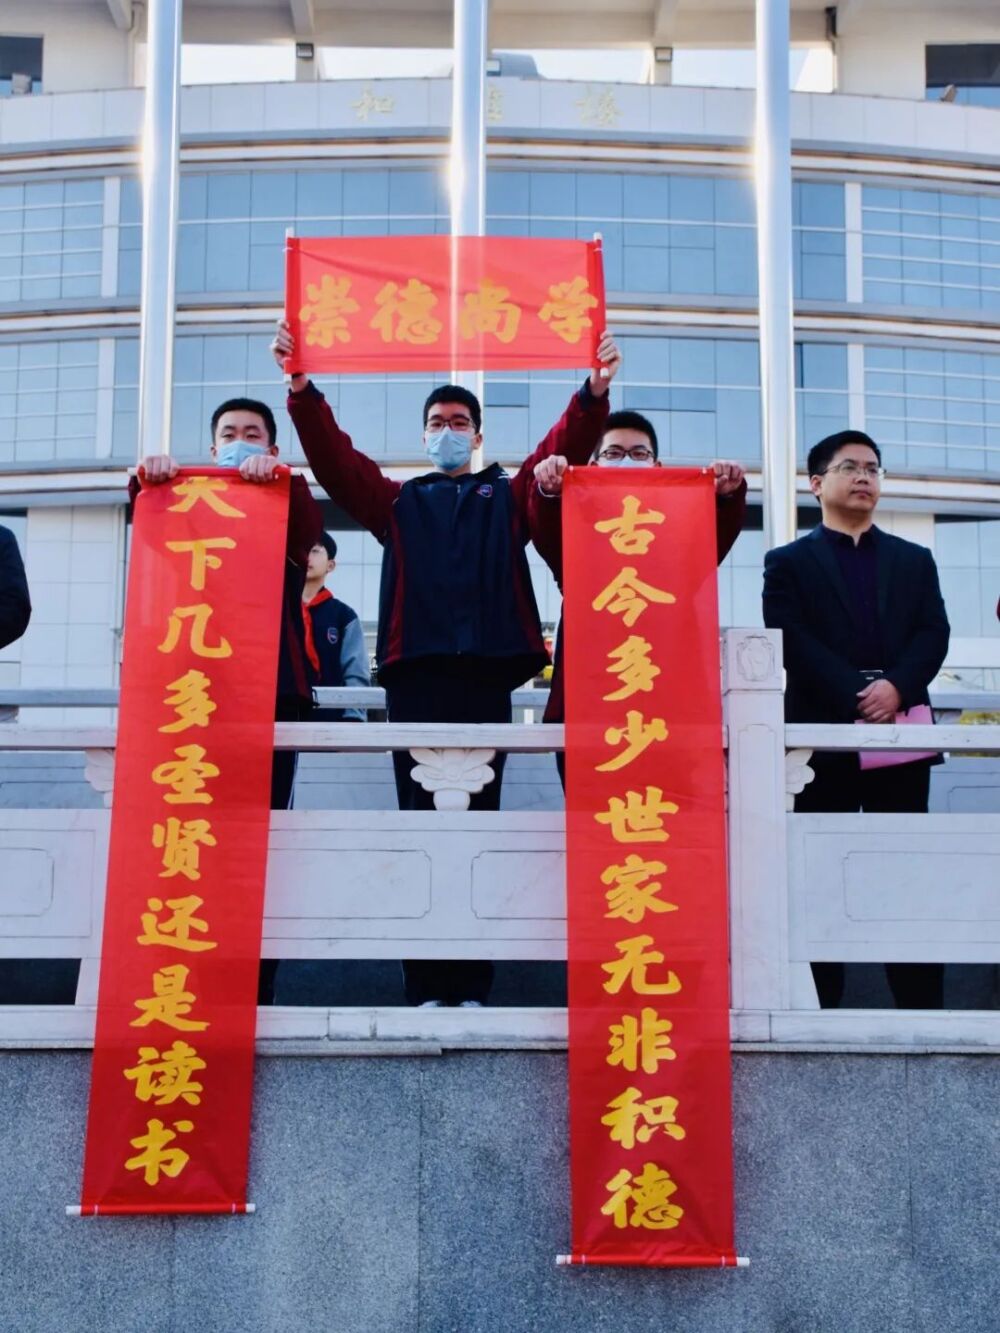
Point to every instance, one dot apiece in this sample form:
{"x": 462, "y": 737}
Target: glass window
{"x": 967, "y": 551}
{"x": 51, "y": 240}
{"x": 48, "y": 396}
{"x": 948, "y": 259}
{"x": 940, "y": 411}
{"x": 20, "y": 65}
{"x": 970, "y": 70}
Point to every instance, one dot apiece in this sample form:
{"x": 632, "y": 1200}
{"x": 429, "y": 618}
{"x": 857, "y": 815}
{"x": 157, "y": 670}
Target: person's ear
{"x": 331, "y": 565}
{"x": 657, "y": 463}
{"x": 477, "y": 440}
{"x": 273, "y": 450}
{"x": 816, "y": 484}
{"x": 212, "y": 448}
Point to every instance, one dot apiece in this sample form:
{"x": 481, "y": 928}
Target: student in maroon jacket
{"x": 458, "y": 624}
{"x": 629, "y": 440}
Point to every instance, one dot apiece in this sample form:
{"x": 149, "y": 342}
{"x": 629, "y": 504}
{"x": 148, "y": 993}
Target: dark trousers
{"x": 283, "y": 767}
{"x": 841, "y": 785}
{"x": 436, "y": 692}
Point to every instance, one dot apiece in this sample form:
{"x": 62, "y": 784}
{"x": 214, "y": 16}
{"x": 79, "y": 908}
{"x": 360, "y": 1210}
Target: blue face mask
{"x": 233, "y": 452}
{"x": 448, "y": 449}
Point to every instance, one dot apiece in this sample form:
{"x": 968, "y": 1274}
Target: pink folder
{"x": 919, "y": 714}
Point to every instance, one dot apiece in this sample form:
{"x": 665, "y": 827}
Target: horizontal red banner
{"x": 440, "y": 303}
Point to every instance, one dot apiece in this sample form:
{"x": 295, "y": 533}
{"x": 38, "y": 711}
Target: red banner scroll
{"x": 649, "y": 1065}
{"x": 373, "y": 304}
{"x": 170, "y": 1097}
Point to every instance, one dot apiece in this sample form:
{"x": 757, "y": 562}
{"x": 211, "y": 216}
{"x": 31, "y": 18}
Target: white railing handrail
{"x": 514, "y": 737}
{"x": 327, "y": 696}
{"x": 373, "y": 696}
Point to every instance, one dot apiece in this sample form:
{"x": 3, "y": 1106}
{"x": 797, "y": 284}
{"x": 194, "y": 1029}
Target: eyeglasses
{"x": 848, "y": 468}
{"x": 614, "y": 453}
{"x": 459, "y": 423}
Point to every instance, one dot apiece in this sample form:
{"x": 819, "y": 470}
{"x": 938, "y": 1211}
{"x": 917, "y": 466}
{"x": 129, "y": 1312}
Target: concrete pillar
{"x": 468, "y": 145}
{"x": 773, "y": 176}
{"x": 160, "y": 188}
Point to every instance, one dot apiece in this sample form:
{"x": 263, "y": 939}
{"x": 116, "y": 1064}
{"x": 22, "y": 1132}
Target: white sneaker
{"x": 431, "y": 1004}
{"x": 470, "y": 1004}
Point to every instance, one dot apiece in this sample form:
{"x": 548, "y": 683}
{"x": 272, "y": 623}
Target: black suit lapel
{"x": 820, "y": 548}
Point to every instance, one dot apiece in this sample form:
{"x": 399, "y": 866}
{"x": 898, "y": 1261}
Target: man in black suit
{"x": 15, "y": 606}
{"x": 865, "y": 632}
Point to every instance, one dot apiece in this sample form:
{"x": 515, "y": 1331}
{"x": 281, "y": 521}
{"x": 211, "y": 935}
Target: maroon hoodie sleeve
{"x": 305, "y": 522}
{"x": 575, "y": 435}
{"x": 349, "y": 477}
{"x": 545, "y": 528}
{"x": 730, "y": 515}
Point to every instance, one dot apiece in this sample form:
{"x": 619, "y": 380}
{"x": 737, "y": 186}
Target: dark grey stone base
{"x": 430, "y": 1195}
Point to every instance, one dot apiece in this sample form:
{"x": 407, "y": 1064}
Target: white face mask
{"x": 625, "y": 462}
{"x": 449, "y": 449}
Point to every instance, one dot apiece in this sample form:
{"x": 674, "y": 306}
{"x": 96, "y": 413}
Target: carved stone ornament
{"x": 452, "y": 775}
{"x": 99, "y": 770}
{"x": 755, "y": 658}
{"x": 798, "y": 774}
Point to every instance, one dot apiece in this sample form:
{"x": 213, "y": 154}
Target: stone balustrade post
{"x": 753, "y": 712}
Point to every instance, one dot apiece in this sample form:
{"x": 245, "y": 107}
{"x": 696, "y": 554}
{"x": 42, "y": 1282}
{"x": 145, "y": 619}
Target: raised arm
{"x": 578, "y": 431}
{"x": 348, "y": 476}
{"x": 545, "y": 513}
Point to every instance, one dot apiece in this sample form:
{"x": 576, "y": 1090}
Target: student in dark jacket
{"x": 15, "y": 604}
{"x": 629, "y": 441}
{"x": 865, "y": 632}
{"x": 335, "y": 639}
{"x": 244, "y": 436}
{"x": 458, "y": 625}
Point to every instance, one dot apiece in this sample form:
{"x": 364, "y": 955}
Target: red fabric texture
{"x": 171, "y": 1087}
{"x": 371, "y": 304}
{"x": 649, "y": 1062}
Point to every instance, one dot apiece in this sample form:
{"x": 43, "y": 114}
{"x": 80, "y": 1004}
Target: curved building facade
{"x": 896, "y": 258}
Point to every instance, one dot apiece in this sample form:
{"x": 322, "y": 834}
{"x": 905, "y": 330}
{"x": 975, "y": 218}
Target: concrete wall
{"x": 430, "y": 1194}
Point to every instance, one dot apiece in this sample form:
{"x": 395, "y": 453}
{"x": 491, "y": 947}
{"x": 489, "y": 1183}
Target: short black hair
{"x": 628, "y": 420}
{"x": 454, "y": 393}
{"x": 822, "y": 454}
{"x": 331, "y": 546}
{"x": 248, "y": 405}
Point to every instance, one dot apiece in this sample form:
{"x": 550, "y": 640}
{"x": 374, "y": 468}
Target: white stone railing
{"x": 456, "y": 883}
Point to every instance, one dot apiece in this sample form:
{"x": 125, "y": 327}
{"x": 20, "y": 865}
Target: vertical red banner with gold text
{"x": 171, "y": 1088}
{"x": 649, "y": 1060}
